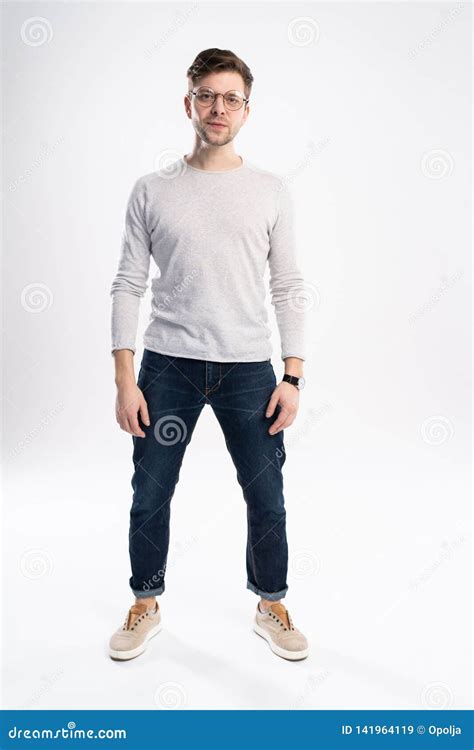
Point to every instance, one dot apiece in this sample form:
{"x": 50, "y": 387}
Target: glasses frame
{"x": 245, "y": 100}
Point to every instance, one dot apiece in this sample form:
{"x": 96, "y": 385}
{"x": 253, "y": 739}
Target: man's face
{"x": 203, "y": 117}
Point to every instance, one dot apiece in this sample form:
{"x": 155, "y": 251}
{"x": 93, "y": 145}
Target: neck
{"x": 213, "y": 160}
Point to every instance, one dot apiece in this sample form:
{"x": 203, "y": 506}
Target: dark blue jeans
{"x": 176, "y": 390}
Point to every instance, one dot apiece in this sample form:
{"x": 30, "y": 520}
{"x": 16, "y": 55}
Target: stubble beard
{"x": 223, "y": 138}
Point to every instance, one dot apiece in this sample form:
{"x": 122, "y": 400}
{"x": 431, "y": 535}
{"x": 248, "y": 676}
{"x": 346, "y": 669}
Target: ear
{"x": 187, "y": 106}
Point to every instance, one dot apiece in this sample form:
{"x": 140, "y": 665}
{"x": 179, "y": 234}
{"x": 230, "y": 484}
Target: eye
{"x": 205, "y": 96}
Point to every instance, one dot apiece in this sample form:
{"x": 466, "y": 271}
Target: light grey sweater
{"x": 210, "y": 234}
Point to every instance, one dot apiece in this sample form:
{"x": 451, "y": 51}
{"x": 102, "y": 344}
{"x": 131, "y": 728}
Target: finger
{"x": 123, "y": 422}
{"x": 282, "y": 417}
{"x": 276, "y": 428}
{"x": 135, "y": 427}
{"x": 271, "y": 405}
{"x": 144, "y": 413}
{"x": 127, "y": 424}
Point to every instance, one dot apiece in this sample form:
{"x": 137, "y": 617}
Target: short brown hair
{"x": 213, "y": 60}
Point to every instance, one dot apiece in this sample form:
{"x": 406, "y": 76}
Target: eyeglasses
{"x": 206, "y": 97}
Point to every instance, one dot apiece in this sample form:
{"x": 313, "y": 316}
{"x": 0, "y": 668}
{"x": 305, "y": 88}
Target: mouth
{"x": 217, "y": 125}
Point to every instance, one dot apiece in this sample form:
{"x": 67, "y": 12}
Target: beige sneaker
{"x": 141, "y": 624}
{"x": 276, "y": 626}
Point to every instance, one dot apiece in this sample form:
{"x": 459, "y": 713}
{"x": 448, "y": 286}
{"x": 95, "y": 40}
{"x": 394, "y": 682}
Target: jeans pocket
{"x": 257, "y": 374}
{"x": 154, "y": 362}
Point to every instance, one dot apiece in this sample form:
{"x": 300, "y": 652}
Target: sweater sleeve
{"x": 287, "y": 286}
{"x": 130, "y": 282}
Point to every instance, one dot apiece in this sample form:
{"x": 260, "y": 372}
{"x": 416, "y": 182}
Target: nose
{"x": 216, "y": 107}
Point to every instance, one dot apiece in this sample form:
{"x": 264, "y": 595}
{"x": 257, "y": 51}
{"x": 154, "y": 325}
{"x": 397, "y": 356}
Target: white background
{"x": 365, "y": 108}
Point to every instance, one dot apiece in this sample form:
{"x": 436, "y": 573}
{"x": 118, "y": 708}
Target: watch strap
{"x": 291, "y": 379}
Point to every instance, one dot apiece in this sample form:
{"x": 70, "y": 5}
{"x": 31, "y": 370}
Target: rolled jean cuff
{"x": 272, "y": 597}
{"x": 150, "y": 592}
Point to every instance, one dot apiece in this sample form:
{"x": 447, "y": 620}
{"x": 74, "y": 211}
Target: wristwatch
{"x": 294, "y": 380}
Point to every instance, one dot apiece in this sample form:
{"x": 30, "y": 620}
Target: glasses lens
{"x": 205, "y": 96}
{"x": 233, "y": 99}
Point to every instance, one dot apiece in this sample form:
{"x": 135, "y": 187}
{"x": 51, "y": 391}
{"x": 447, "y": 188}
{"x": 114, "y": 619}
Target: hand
{"x": 288, "y": 397}
{"x": 130, "y": 400}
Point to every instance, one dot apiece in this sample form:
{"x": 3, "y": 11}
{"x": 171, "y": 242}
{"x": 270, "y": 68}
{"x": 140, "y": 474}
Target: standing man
{"x": 211, "y": 221}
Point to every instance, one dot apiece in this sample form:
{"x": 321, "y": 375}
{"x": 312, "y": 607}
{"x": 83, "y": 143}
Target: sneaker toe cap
{"x": 121, "y": 641}
{"x": 295, "y": 642}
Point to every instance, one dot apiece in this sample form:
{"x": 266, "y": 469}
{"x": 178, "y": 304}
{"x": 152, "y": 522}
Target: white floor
{"x": 378, "y": 579}
{"x": 377, "y": 476}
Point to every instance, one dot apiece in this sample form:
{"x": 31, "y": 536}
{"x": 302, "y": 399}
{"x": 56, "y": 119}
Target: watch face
{"x": 301, "y": 382}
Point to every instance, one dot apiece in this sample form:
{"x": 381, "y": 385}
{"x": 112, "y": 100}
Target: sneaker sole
{"x": 283, "y": 652}
{"x": 114, "y": 654}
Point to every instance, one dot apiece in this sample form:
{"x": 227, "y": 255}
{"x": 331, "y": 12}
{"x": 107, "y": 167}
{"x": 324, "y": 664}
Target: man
{"x": 211, "y": 221}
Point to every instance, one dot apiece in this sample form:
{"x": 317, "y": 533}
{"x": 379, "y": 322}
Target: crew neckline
{"x": 214, "y": 171}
